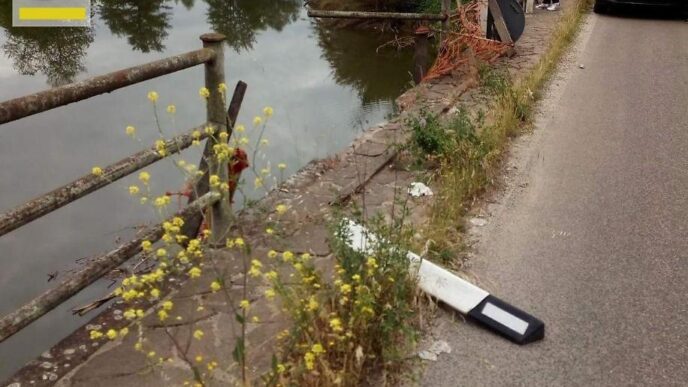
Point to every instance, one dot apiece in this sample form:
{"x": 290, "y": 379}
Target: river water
{"x": 325, "y": 86}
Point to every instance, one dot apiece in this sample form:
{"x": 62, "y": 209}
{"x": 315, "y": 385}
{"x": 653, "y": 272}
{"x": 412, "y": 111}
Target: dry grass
{"x": 471, "y": 167}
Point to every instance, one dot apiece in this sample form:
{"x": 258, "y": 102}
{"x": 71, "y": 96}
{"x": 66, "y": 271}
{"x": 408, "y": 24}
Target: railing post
{"x": 215, "y": 75}
{"x": 421, "y": 54}
{"x": 446, "y": 10}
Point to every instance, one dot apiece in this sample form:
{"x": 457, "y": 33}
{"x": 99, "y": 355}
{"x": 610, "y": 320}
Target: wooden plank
{"x": 375, "y": 15}
{"x": 30, "y": 312}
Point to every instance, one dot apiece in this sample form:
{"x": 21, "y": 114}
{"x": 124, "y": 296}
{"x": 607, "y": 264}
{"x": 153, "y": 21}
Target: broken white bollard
{"x": 493, "y": 313}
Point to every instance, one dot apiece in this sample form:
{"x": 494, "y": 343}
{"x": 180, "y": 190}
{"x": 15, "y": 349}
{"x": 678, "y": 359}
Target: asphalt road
{"x": 591, "y": 234}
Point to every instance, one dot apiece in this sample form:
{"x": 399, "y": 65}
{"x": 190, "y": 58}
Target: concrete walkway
{"x": 591, "y": 234}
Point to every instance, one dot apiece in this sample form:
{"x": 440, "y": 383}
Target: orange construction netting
{"x": 465, "y": 33}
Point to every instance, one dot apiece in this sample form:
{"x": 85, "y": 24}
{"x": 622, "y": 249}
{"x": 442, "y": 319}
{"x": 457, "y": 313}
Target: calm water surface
{"x": 325, "y": 86}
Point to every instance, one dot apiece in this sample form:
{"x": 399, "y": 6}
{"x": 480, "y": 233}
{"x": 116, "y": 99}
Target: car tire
{"x": 600, "y": 7}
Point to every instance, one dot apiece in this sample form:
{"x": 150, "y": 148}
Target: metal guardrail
{"x": 212, "y": 56}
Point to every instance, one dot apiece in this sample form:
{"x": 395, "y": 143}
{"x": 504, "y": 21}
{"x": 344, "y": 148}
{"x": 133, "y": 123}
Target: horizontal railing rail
{"x": 212, "y": 206}
{"x": 91, "y": 272}
{"x": 21, "y": 107}
{"x": 376, "y": 15}
{"x": 53, "y": 200}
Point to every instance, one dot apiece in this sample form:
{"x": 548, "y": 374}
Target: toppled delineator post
{"x": 220, "y": 213}
{"x": 500, "y": 317}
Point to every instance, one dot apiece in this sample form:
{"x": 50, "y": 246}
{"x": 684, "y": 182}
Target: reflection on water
{"x": 324, "y": 85}
{"x": 143, "y": 22}
{"x": 241, "y": 20}
{"x": 58, "y": 53}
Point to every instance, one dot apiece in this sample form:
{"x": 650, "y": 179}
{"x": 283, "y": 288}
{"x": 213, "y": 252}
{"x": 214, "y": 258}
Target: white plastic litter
{"x": 436, "y": 348}
{"x": 417, "y": 189}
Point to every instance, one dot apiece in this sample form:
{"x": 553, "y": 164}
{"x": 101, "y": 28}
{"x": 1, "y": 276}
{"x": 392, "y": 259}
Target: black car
{"x": 604, "y": 6}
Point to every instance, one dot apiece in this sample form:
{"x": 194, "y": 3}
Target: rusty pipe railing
{"x": 376, "y": 15}
{"x": 51, "y": 201}
{"x": 51, "y": 298}
{"x": 21, "y": 107}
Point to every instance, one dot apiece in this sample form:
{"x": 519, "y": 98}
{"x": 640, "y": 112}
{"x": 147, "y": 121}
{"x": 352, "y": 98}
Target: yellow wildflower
{"x": 162, "y": 315}
{"x": 271, "y": 275}
{"x": 305, "y": 257}
{"x": 317, "y": 349}
{"x": 272, "y": 254}
{"x": 204, "y": 92}
{"x": 167, "y": 305}
{"x": 146, "y": 245}
{"x": 95, "y": 334}
{"x": 111, "y": 334}
{"x": 287, "y": 256}
{"x": 98, "y": 171}
{"x": 281, "y": 209}
{"x": 153, "y": 96}
{"x": 268, "y": 111}
{"x": 144, "y": 177}
{"x": 239, "y": 242}
{"x": 138, "y": 346}
{"x": 196, "y": 134}
{"x": 257, "y": 121}
{"x": 151, "y": 354}
{"x": 282, "y": 166}
{"x": 264, "y": 142}
{"x": 161, "y": 252}
{"x": 244, "y": 304}
{"x": 160, "y": 147}
{"x": 222, "y": 87}
{"x": 214, "y": 181}
{"x": 123, "y": 332}
{"x": 130, "y": 130}
{"x": 270, "y": 294}
{"x": 171, "y": 109}
{"x": 258, "y": 182}
{"x": 309, "y": 358}
{"x": 255, "y": 319}
{"x": 155, "y": 293}
{"x": 313, "y": 304}
{"x": 215, "y": 286}
{"x": 129, "y": 314}
{"x": 133, "y": 190}
{"x": 162, "y": 201}
{"x": 223, "y": 136}
{"x": 243, "y": 140}
{"x": 198, "y": 334}
{"x": 281, "y": 368}
{"x": 240, "y": 128}
{"x": 336, "y": 324}
{"x": 345, "y": 288}
{"x": 194, "y": 272}
{"x": 199, "y": 358}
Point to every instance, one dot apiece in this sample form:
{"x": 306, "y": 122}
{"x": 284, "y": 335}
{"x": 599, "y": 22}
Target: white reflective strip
{"x": 432, "y": 279}
{"x": 447, "y": 286}
{"x": 505, "y": 318}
